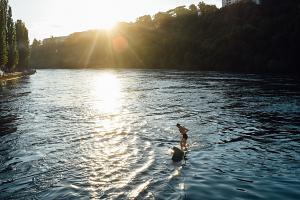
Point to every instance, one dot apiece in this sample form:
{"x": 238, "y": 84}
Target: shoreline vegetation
{"x": 16, "y": 75}
{"x": 242, "y": 37}
{"x": 14, "y": 46}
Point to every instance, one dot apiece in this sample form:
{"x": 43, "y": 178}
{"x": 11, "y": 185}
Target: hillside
{"x": 241, "y": 37}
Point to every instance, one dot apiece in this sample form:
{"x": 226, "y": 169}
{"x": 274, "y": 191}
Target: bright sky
{"x": 45, "y": 18}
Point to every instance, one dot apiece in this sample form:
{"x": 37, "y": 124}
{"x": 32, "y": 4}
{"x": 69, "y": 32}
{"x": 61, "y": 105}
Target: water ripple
{"x": 104, "y": 134}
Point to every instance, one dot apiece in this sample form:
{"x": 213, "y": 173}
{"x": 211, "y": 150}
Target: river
{"x": 106, "y": 134}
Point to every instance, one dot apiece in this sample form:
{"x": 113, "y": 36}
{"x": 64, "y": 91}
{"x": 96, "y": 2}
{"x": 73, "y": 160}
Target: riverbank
{"x": 16, "y": 75}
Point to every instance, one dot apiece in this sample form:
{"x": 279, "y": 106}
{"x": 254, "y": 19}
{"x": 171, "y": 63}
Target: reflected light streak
{"x": 91, "y": 50}
{"x": 108, "y": 94}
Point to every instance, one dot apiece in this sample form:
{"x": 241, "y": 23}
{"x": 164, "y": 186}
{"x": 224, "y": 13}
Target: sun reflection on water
{"x": 105, "y": 149}
{"x": 112, "y": 148}
{"x": 107, "y": 92}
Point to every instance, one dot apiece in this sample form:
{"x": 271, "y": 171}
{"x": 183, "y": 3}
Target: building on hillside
{"x": 228, "y": 2}
{"x": 54, "y": 39}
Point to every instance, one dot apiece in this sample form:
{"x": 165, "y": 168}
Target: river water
{"x": 105, "y": 134}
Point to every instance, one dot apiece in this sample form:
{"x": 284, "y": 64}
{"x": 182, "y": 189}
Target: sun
{"x": 108, "y": 25}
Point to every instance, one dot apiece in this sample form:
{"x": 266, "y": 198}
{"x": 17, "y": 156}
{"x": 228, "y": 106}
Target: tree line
{"x": 240, "y": 37}
{"x": 14, "y": 41}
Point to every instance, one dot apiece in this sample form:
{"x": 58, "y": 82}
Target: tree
{"x": 3, "y": 41}
{"x": 241, "y": 37}
{"x": 193, "y": 9}
{"x": 205, "y": 9}
{"x": 179, "y": 11}
{"x": 161, "y": 19}
{"x": 13, "y": 56}
{"x": 146, "y": 21}
{"x": 36, "y": 44}
{"x": 35, "y": 54}
{"x": 22, "y": 45}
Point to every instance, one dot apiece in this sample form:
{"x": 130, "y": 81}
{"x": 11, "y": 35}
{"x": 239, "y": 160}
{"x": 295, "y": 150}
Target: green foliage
{"x": 13, "y": 40}
{"x": 3, "y": 40}
{"x": 22, "y": 45}
{"x": 146, "y": 21}
{"x": 13, "y": 56}
{"x": 161, "y": 19}
{"x": 206, "y": 9}
{"x": 193, "y": 9}
{"x": 240, "y": 37}
{"x": 179, "y": 11}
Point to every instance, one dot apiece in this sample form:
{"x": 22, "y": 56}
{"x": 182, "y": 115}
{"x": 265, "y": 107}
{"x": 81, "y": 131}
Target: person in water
{"x": 183, "y": 131}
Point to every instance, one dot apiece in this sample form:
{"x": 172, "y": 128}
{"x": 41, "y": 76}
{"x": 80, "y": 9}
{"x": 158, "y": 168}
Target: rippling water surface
{"x": 101, "y": 134}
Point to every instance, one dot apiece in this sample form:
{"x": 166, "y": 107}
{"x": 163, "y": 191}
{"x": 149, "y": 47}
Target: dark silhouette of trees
{"x": 22, "y": 45}
{"x": 146, "y": 21}
{"x": 240, "y": 37}
{"x": 206, "y": 9}
{"x": 193, "y": 9}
